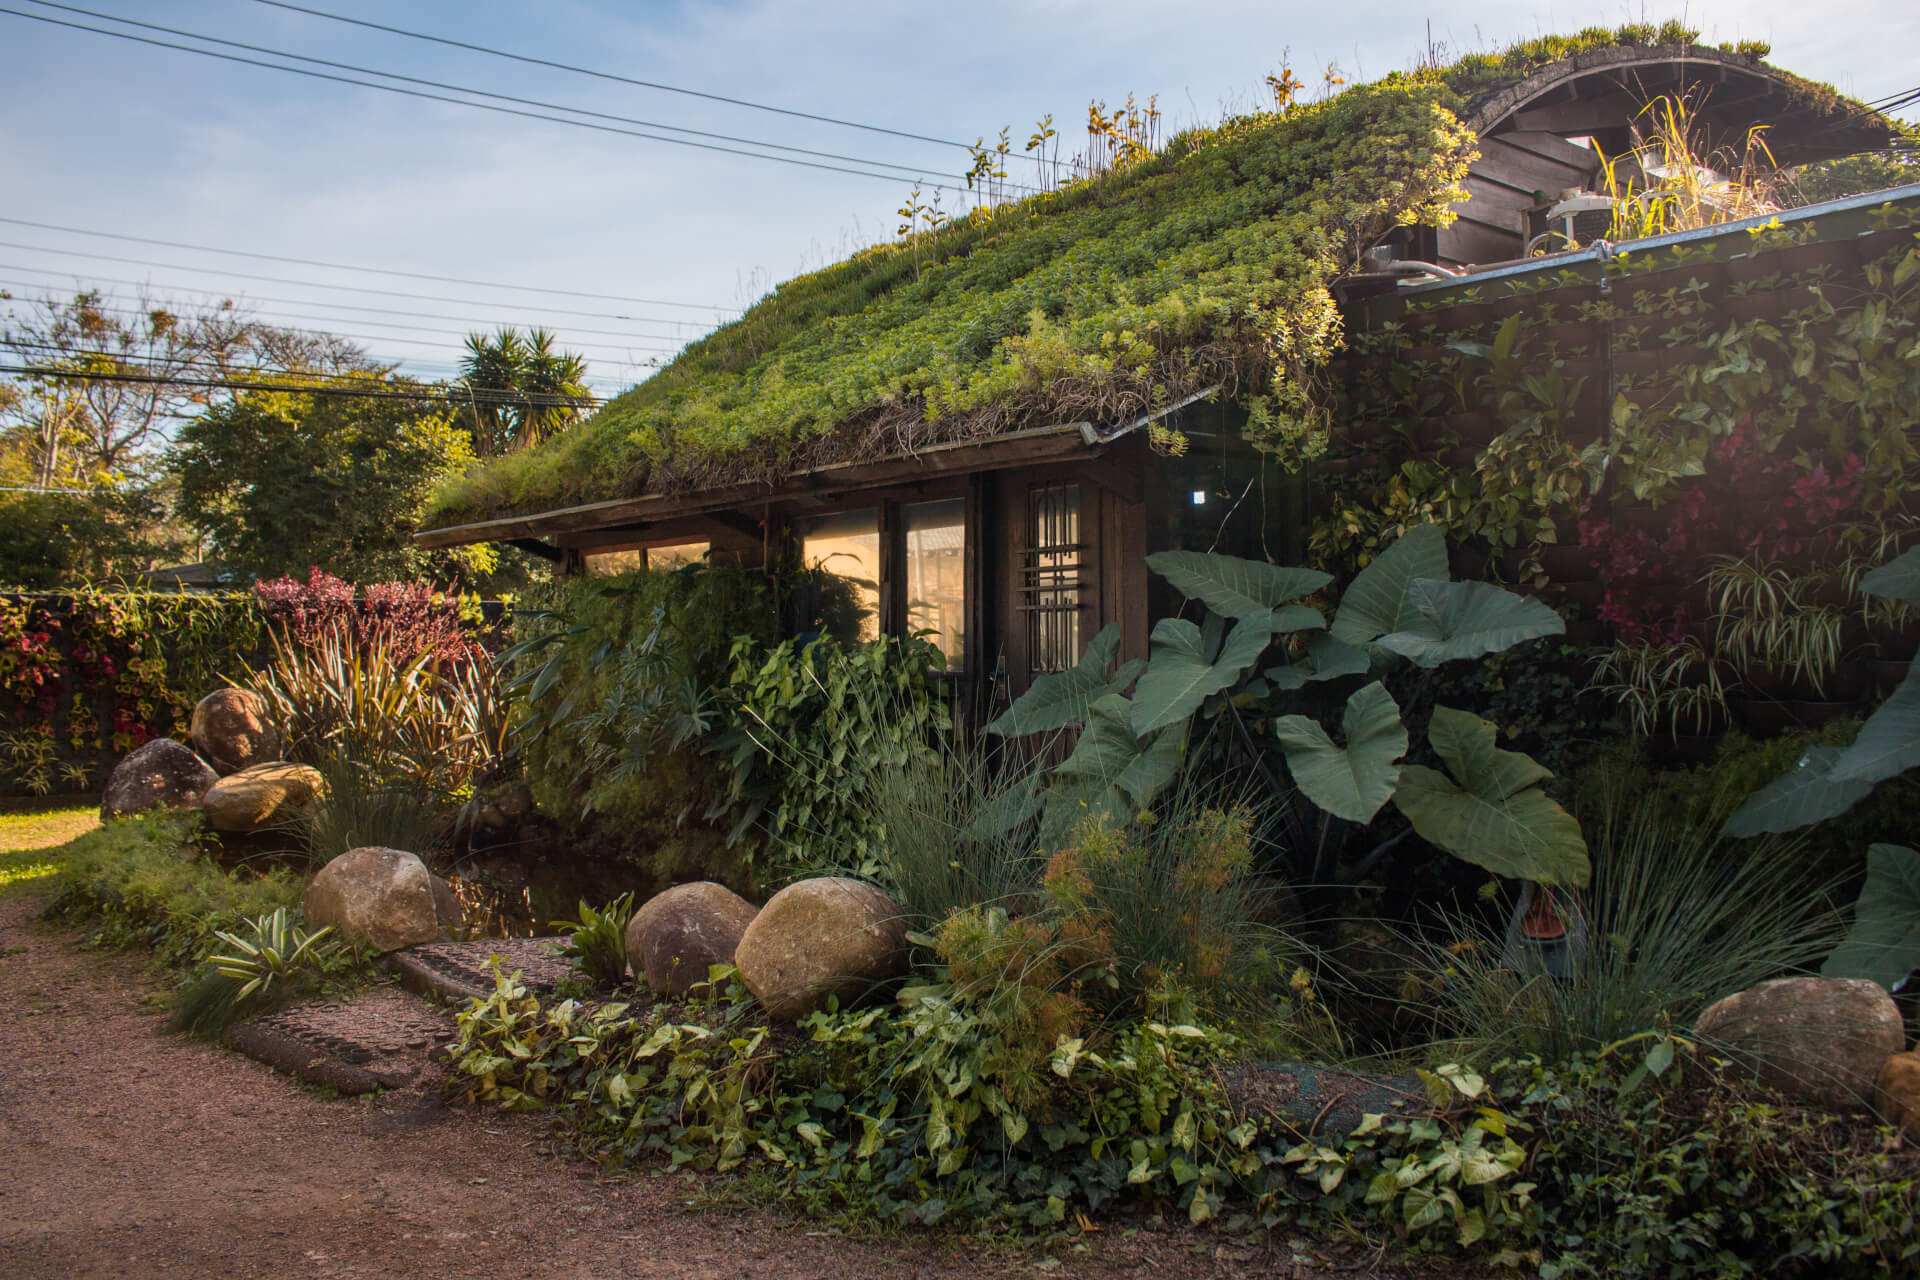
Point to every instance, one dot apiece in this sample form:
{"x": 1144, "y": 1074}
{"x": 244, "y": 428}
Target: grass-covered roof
{"x": 1207, "y": 262}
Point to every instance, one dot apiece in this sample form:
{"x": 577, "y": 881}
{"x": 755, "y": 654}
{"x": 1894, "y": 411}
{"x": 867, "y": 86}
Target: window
{"x": 842, "y": 550}
{"x": 606, "y": 564}
{"x": 937, "y": 575}
{"x": 1050, "y": 586}
{"x": 677, "y": 555}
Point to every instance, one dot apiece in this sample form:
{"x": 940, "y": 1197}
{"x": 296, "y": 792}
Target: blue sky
{"x": 117, "y": 137}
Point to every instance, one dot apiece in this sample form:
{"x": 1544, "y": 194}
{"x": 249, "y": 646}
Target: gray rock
{"x": 1820, "y": 1041}
{"x": 261, "y": 796}
{"x": 820, "y": 938}
{"x": 677, "y": 935}
{"x": 230, "y": 728}
{"x": 384, "y": 897}
{"x": 160, "y": 774}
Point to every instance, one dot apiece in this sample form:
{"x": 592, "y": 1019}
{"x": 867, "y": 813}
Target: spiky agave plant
{"x": 262, "y": 964}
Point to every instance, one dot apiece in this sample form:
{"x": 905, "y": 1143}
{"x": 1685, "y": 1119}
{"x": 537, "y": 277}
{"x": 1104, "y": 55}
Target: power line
{"x": 341, "y": 266}
{"x": 248, "y": 275}
{"x": 313, "y": 284}
{"x": 478, "y": 106}
{"x": 248, "y": 300}
{"x": 483, "y": 93}
{"x": 445, "y": 333}
{"x": 450, "y": 396}
{"x": 617, "y": 79}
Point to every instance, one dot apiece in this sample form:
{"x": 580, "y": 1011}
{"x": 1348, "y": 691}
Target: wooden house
{"x": 999, "y": 483}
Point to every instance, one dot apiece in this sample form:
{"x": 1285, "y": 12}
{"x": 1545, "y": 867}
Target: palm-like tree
{"x": 520, "y": 390}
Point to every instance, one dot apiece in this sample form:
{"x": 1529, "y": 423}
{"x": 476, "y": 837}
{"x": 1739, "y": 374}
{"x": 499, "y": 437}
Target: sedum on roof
{"x": 1208, "y": 262}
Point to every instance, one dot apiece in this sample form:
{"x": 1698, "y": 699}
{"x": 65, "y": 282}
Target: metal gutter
{"x": 1602, "y": 251}
{"x": 1095, "y": 436}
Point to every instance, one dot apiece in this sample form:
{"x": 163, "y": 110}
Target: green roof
{"x": 1206, "y": 263}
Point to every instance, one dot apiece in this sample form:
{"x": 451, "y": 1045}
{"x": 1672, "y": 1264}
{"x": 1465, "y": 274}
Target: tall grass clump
{"x": 1676, "y": 918}
{"x": 360, "y": 806}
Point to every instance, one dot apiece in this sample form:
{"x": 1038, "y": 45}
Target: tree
{"x": 519, "y": 390}
{"x": 282, "y": 481}
{"x": 146, "y": 361}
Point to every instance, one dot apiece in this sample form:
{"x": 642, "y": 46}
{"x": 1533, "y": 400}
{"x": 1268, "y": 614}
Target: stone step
{"x": 462, "y": 971}
{"x": 382, "y": 1039}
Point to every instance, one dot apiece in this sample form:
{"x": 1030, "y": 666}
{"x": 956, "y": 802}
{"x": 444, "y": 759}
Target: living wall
{"x": 1696, "y": 449}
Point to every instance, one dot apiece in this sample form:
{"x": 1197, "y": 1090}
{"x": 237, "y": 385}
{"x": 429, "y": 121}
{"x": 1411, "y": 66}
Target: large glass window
{"x": 842, "y": 554}
{"x": 607, "y": 564}
{"x": 677, "y": 555}
{"x": 937, "y": 575}
{"x": 1051, "y": 589}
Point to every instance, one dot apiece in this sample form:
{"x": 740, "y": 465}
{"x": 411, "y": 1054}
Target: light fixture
{"x": 1199, "y": 497}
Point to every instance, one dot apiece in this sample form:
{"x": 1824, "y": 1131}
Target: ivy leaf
{"x": 1495, "y": 816}
{"x": 1454, "y": 620}
{"x": 1180, "y": 677}
{"x": 1897, "y": 579}
{"x": 1884, "y": 942}
{"x": 1888, "y": 744}
{"x": 1807, "y": 795}
{"x": 1375, "y": 602}
{"x": 1231, "y": 586}
{"x": 1355, "y": 782}
{"x": 1062, "y": 698}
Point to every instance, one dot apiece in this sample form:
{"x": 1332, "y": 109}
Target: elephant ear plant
{"x": 1884, "y": 943}
{"x": 1400, "y": 615}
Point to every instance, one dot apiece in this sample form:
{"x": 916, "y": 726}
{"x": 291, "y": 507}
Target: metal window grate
{"x": 1050, "y": 577}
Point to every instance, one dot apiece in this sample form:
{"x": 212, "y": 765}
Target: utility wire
{"x": 380, "y": 373}
{"x": 341, "y": 266}
{"x": 478, "y": 106}
{"x": 909, "y": 170}
{"x": 617, "y": 79}
{"x": 454, "y": 395}
{"x": 311, "y": 284}
{"x": 251, "y": 299}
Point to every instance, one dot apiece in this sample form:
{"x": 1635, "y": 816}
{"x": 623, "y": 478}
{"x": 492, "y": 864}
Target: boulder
{"x": 161, "y": 774}
{"x": 262, "y": 796}
{"x": 1896, "y": 1092}
{"x": 820, "y": 938}
{"x": 231, "y": 730}
{"x": 677, "y": 935}
{"x": 384, "y": 897}
{"x": 1820, "y": 1041}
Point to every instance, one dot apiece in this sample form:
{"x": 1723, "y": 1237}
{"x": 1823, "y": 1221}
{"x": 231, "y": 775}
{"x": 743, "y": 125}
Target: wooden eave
{"x": 1069, "y": 442}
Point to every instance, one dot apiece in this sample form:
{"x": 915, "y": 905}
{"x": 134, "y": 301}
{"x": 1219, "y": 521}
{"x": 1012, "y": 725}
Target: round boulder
{"x": 679, "y": 934}
{"x": 160, "y": 774}
{"x": 384, "y": 897}
{"x": 231, "y": 730}
{"x": 261, "y": 796}
{"x": 1820, "y": 1041}
{"x": 820, "y": 938}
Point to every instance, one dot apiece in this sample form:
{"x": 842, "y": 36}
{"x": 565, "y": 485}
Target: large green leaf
{"x": 1888, "y": 744}
{"x": 1354, "y": 782}
{"x": 1234, "y": 587}
{"x": 1898, "y": 579}
{"x": 1182, "y": 674}
{"x": 1327, "y": 659}
{"x": 1803, "y": 797}
{"x": 1111, "y": 775}
{"x": 1884, "y": 942}
{"x": 1446, "y": 621}
{"x": 1063, "y": 698}
{"x": 1375, "y": 602}
{"x": 1492, "y": 813}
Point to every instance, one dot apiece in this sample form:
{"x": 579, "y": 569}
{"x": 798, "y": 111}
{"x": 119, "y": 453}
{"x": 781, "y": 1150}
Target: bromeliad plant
{"x": 1401, "y": 616}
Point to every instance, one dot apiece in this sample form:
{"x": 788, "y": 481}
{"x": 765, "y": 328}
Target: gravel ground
{"x": 127, "y": 1151}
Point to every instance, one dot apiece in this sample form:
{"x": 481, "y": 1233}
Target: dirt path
{"x": 125, "y": 1151}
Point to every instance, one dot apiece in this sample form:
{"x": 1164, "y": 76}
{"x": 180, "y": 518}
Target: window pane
{"x": 937, "y": 575}
{"x": 673, "y": 557}
{"x": 844, "y": 597}
{"x": 605, "y": 564}
{"x": 1052, "y": 570}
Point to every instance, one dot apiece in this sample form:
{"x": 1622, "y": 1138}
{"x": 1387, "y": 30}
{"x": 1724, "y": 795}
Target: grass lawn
{"x": 31, "y": 835}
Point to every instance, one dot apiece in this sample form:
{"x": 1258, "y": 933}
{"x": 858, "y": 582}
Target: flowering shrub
{"x": 406, "y": 618}
{"x": 1750, "y": 502}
